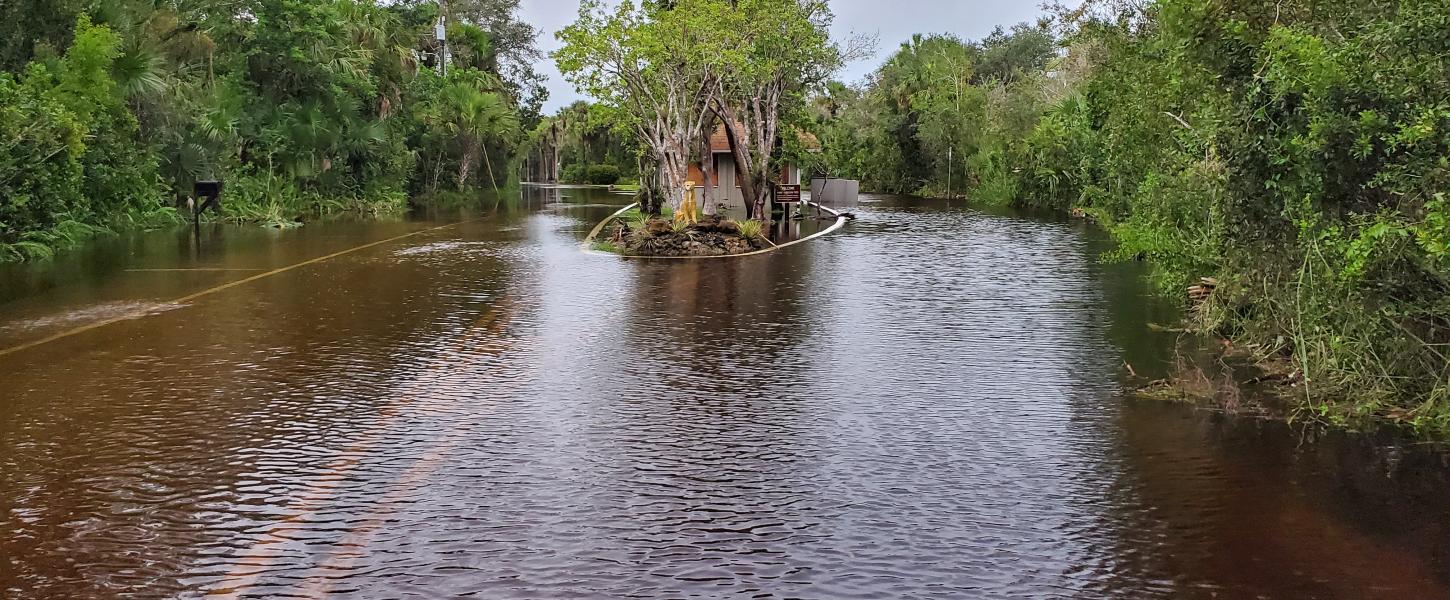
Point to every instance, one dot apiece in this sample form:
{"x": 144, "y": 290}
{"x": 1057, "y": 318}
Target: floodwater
{"x": 925, "y": 404}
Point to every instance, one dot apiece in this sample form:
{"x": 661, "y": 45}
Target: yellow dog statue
{"x": 689, "y": 212}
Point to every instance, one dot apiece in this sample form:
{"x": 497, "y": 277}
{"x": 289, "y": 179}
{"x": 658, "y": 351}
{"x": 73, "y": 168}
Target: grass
{"x": 606, "y": 246}
{"x": 638, "y": 223}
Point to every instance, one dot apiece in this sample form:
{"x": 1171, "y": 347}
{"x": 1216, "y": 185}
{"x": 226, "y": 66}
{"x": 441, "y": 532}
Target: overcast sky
{"x": 892, "y": 21}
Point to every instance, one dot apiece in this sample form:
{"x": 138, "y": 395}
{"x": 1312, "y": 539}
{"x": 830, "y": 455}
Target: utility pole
{"x": 440, "y": 31}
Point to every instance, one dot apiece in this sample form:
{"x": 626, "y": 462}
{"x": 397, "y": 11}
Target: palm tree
{"x": 477, "y": 118}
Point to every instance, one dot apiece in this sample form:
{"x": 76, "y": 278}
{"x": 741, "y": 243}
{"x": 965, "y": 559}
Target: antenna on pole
{"x": 440, "y": 30}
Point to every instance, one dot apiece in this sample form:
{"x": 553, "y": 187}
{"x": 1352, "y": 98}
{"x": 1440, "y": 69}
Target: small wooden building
{"x": 726, "y": 185}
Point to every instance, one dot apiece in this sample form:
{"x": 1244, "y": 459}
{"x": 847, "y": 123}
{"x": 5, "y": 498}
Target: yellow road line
{"x": 197, "y": 270}
{"x": 255, "y": 560}
{"x": 222, "y": 287}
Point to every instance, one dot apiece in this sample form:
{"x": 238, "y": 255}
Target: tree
{"x": 651, "y": 65}
{"x": 511, "y": 49}
{"x": 768, "y": 54}
{"x": 28, "y": 27}
{"x": 580, "y": 137}
{"x": 478, "y": 117}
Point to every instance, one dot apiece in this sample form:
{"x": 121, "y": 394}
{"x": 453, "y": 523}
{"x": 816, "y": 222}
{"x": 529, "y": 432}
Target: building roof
{"x": 720, "y": 143}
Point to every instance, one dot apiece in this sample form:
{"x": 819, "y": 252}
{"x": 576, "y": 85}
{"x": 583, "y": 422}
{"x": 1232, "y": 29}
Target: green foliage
{"x": 1298, "y": 154}
{"x": 670, "y": 71}
{"x": 1296, "y": 151}
{"x": 109, "y": 114}
{"x": 67, "y": 147}
{"x": 582, "y": 136}
{"x": 636, "y": 221}
{"x": 750, "y": 229}
{"x": 574, "y": 174}
{"x": 936, "y": 98}
{"x": 602, "y": 174}
{"x": 591, "y": 174}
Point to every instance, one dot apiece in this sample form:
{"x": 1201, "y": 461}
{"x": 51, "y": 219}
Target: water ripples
{"x": 922, "y": 406}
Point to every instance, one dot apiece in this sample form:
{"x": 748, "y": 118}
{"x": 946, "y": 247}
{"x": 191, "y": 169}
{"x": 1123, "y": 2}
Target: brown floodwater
{"x": 926, "y": 404}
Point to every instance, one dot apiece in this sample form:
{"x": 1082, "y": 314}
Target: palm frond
{"x": 140, "y": 72}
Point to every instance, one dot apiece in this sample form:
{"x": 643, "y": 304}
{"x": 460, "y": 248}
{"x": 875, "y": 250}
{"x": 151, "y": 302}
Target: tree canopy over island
{"x": 673, "y": 71}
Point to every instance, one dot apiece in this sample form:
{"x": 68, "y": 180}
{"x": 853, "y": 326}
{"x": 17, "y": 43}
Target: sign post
{"x": 788, "y": 194}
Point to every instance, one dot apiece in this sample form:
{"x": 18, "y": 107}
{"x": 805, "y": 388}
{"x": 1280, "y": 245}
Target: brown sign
{"x": 787, "y": 194}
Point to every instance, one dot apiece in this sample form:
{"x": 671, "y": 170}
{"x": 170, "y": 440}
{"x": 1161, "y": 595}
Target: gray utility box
{"x": 832, "y": 192}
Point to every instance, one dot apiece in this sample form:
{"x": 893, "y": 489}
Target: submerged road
{"x": 924, "y": 405}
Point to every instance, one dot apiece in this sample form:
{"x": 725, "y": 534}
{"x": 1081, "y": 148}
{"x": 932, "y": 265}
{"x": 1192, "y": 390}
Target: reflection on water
{"x": 922, "y": 405}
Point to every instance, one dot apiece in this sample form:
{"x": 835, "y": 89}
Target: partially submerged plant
{"x": 750, "y": 229}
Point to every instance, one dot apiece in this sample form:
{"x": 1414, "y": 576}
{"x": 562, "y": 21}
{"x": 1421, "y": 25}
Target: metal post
{"x": 441, "y": 32}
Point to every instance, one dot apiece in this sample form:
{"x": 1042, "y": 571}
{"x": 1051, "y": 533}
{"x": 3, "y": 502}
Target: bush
{"x": 302, "y": 107}
{"x": 591, "y": 174}
{"x": 68, "y": 148}
{"x": 1298, "y": 156}
{"x": 574, "y": 174}
{"x": 602, "y": 174}
{"x": 40, "y": 167}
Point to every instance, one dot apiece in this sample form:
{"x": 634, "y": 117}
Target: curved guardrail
{"x": 589, "y": 241}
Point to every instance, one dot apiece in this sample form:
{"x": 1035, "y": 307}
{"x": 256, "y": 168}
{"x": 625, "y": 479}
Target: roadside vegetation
{"x": 110, "y": 110}
{"x": 639, "y": 234}
{"x": 1295, "y": 153}
{"x": 582, "y": 144}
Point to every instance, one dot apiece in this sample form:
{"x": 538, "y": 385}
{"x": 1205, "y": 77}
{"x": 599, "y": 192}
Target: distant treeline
{"x": 110, "y": 110}
{"x": 1297, "y": 151}
{"x": 583, "y": 143}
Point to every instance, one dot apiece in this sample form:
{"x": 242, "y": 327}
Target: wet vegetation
{"x": 110, "y": 110}
{"x": 638, "y": 234}
{"x": 1294, "y": 152}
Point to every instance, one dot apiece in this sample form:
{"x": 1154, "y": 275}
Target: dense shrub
{"x": 1298, "y": 154}
{"x": 68, "y": 148}
{"x": 602, "y": 174}
{"x": 591, "y": 174}
{"x": 302, "y": 106}
{"x": 574, "y": 174}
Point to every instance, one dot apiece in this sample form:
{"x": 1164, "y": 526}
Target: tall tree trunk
{"x": 677, "y": 171}
{"x": 488, "y": 165}
{"x": 648, "y": 177}
{"x": 437, "y": 170}
{"x": 707, "y": 169}
{"x": 753, "y": 131}
{"x": 557, "y": 153}
{"x": 465, "y": 164}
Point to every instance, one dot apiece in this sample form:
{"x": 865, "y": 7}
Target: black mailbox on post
{"x": 208, "y": 195}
